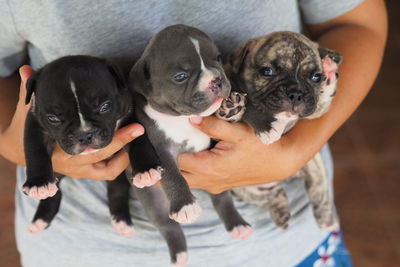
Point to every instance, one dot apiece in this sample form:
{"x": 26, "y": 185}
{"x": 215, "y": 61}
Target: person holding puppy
{"x": 37, "y": 33}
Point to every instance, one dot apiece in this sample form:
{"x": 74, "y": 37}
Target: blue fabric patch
{"x": 330, "y": 253}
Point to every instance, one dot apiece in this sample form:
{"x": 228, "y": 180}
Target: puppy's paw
{"x": 232, "y": 108}
{"x": 330, "y": 227}
{"x": 187, "y": 214}
{"x": 274, "y": 134}
{"x": 148, "y": 178}
{"x": 122, "y": 228}
{"x": 241, "y": 232}
{"x": 181, "y": 259}
{"x": 40, "y": 191}
{"x": 37, "y": 226}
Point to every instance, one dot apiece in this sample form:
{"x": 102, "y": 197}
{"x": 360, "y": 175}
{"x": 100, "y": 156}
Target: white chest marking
{"x": 84, "y": 125}
{"x": 179, "y": 130}
{"x": 206, "y": 75}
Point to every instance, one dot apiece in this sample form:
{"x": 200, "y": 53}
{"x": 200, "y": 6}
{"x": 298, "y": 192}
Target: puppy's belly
{"x": 179, "y": 130}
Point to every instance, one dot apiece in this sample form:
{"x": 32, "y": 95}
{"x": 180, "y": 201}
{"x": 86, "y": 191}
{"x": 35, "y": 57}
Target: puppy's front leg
{"x": 146, "y": 165}
{"x": 46, "y": 212}
{"x": 234, "y": 223}
{"x": 40, "y": 182}
{"x": 316, "y": 181}
{"x": 183, "y": 208}
{"x": 267, "y": 128}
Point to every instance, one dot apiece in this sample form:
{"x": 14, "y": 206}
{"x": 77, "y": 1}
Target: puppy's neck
{"x": 179, "y": 130}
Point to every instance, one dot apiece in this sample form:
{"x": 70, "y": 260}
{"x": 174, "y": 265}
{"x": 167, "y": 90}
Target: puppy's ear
{"x": 335, "y": 56}
{"x": 238, "y": 57}
{"x": 118, "y": 75}
{"x": 31, "y": 86}
{"x": 139, "y": 77}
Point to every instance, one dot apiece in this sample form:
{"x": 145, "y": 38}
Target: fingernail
{"x": 137, "y": 132}
{"x": 196, "y": 120}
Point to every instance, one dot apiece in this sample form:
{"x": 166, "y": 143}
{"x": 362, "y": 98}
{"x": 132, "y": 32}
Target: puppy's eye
{"x": 180, "y": 77}
{"x": 53, "y": 119}
{"x": 219, "y": 58}
{"x": 267, "y": 71}
{"x": 105, "y": 107}
{"x": 316, "y": 77}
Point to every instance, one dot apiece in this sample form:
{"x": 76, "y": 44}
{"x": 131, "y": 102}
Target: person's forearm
{"x": 9, "y": 142}
{"x": 8, "y": 99}
{"x": 362, "y": 50}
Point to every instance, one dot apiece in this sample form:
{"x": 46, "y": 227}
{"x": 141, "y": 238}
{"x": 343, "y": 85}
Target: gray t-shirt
{"x": 81, "y": 234}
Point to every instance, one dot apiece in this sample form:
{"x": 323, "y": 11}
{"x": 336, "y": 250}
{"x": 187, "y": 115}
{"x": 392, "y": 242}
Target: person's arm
{"x": 240, "y": 159}
{"x": 95, "y": 166}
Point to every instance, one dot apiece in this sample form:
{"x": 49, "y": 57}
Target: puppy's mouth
{"x": 89, "y": 150}
{"x": 212, "y": 108}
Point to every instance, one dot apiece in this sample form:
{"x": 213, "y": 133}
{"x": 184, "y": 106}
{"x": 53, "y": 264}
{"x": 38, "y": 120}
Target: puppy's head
{"x": 79, "y": 100}
{"x": 282, "y": 72}
{"x": 180, "y": 73}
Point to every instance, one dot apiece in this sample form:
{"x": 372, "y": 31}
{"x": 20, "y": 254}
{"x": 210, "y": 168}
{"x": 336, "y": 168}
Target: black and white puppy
{"x": 179, "y": 76}
{"x": 280, "y": 78}
{"x": 77, "y": 102}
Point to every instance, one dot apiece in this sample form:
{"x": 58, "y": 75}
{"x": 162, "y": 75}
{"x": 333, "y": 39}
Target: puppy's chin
{"x": 212, "y": 109}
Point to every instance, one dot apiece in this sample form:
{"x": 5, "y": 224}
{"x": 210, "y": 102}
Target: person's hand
{"x": 101, "y": 165}
{"x": 239, "y": 159}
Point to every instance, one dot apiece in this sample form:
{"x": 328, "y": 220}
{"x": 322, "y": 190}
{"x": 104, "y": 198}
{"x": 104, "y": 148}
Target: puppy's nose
{"x": 295, "y": 96}
{"x": 85, "y": 138}
{"x": 216, "y": 85}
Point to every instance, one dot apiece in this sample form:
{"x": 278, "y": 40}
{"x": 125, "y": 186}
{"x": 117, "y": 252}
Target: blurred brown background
{"x": 366, "y": 152}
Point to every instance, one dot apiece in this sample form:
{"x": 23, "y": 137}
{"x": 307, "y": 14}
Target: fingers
{"x": 110, "y": 169}
{"x": 196, "y": 162}
{"x": 24, "y": 72}
{"x": 219, "y": 129}
{"x": 122, "y": 137}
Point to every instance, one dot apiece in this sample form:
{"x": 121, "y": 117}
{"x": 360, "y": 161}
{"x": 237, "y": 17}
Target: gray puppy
{"x": 180, "y": 75}
{"x": 281, "y": 78}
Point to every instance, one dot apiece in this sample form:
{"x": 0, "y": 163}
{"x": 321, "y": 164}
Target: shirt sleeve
{"x": 317, "y": 11}
{"x": 12, "y": 45}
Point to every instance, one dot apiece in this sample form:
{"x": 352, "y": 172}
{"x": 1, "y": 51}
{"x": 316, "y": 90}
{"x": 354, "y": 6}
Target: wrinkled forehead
{"x": 181, "y": 49}
{"x": 90, "y": 88}
{"x": 288, "y": 52}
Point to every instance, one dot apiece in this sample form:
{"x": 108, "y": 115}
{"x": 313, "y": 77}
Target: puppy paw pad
{"x": 37, "y": 226}
{"x": 41, "y": 192}
{"x": 233, "y": 108}
{"x": 241, "y": 232}
{"x": 147, "y": 178}
{"x": 187, "y": 214}
{"x": 122, "y": 228}
{"x": 181, "y": 260}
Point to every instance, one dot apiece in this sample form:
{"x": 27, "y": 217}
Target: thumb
{"x": 24, "y": 72}
{"x": 220, "y": 129}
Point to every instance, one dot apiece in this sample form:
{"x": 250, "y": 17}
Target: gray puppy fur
{"x": 179, "y": 76}
{"x": 281, "y": 78}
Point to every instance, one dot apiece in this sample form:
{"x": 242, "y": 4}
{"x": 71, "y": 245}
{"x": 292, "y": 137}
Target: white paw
{"x": 330, "y": 228}
{"x": 123, "y": 228}
{"x": 181, "y": 259}
{"x": 187, "y": 214}
{"x": 41, "y": 192}
{"x": 147, "y": 178}
{"x": 241, "y": 232}
{"x": 37, "y": 226}
{"x": 270, "y": 137}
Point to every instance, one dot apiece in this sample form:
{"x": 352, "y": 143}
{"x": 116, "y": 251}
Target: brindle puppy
{"x": 281, "y": 78}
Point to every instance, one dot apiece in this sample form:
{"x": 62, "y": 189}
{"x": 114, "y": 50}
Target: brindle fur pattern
{"x": 287, "y": 53}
